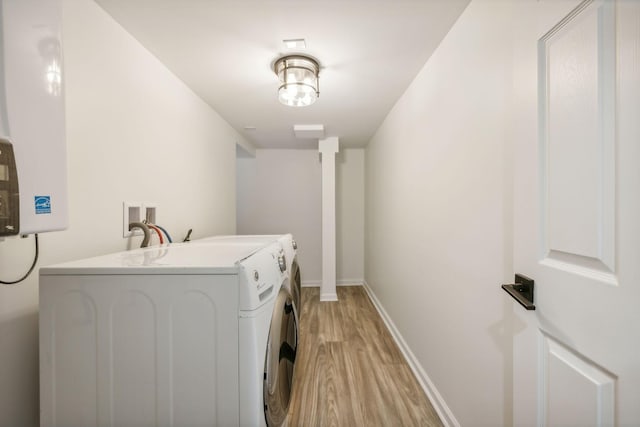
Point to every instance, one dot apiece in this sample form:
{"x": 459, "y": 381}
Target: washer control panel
{"x": 261, "y": 276}
{"x": 282, "y": 263}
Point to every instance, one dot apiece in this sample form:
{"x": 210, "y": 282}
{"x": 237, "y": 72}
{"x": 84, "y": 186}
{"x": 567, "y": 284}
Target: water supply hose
{"x": 145, "y": 230}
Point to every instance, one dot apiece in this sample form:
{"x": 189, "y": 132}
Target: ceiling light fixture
{"x": 298, "y": 75}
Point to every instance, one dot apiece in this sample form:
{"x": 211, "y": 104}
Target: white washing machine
{"x": 183, "y": 335}
{"x": 290, "y": 250}
{"x": 290, "y": 247}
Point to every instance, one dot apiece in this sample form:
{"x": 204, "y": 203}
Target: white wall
{"x": 350, "y": 216}
{"x": 134, "y": 132}
{"x": 279, "y": 191}
{"x": 438, "y": 216}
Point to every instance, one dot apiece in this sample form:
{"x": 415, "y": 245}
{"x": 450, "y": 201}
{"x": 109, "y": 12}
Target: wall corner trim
{"x": 445, "y": 414}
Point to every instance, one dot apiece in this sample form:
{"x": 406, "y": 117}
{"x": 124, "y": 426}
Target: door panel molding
{"x": 573, "y": 389}
{"x": 577, "y": 137}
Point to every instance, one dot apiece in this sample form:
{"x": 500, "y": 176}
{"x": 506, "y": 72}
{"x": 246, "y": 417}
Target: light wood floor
{"x": 349, "y": 371}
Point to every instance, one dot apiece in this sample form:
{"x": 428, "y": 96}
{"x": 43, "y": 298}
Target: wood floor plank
{"x": 349, "y": 370}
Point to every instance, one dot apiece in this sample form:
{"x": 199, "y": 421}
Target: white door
{"x": 576, "y": 133}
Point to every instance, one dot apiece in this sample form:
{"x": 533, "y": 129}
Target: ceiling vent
{"x": 309, "y": 131}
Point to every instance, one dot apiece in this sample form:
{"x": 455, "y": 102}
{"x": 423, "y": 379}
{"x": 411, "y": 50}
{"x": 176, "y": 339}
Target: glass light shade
{"x": 298, "y": 77}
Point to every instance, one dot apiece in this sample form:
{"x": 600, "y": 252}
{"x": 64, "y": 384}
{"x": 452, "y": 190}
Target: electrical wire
{"x": 157, "y": 230}
{"x": 165, "y": 233}
{"x": 35, "y": 260}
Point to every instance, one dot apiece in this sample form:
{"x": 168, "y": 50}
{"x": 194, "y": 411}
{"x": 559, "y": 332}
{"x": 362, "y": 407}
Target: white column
{"x": 328, "y": 148}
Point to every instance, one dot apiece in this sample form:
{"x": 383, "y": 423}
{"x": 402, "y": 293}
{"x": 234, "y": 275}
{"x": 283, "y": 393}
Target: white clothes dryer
{"x": 173, "y": 335}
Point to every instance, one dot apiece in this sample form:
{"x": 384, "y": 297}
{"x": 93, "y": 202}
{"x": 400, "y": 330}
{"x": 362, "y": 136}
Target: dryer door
{"x": 280, "y": 360}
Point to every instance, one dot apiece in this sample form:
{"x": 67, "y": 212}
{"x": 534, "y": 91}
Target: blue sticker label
{"x": 43, "y": 204}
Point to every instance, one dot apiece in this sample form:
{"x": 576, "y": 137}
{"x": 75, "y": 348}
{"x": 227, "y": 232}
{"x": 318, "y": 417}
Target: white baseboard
{"x": 445, "y": 414}
{"x": 311, "y": 283}
{"x": 331, "y": 296}
{"x": 340, "y": 282}
{"x": 350, "y": 282}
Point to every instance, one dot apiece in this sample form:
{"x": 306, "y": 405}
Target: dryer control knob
{"x": 256, "y": 276}
{"x": 282, "y": 263}
{"x": 294, "y": 244}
